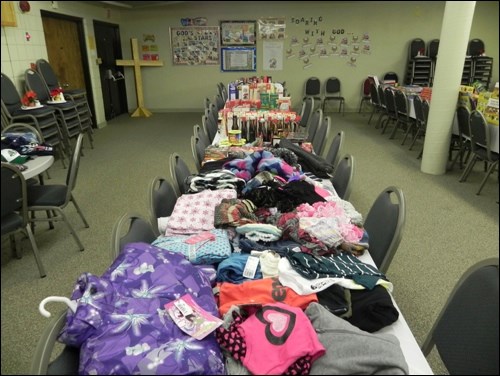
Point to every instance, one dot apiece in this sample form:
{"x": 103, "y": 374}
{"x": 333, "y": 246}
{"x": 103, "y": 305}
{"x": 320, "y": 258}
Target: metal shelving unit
{"x": 482, "y": 67}
{"x": 419, "y": 71}
{"x": 467, "y": 71}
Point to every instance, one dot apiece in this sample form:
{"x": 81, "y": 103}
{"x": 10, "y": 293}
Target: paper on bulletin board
{"x": 272, "y": 56}
{"x": 149, "y": 47}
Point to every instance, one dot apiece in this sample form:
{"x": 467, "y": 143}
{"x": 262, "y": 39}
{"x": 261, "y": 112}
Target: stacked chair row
{"x": 59, "y": 123}
{"x": 471, "y": 144}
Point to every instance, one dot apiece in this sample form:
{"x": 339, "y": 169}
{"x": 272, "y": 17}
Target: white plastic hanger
{"x": 72, "y": 304}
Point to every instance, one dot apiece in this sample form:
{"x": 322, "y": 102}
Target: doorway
{"x": 107, "y": 37}
{"x": 67, "y": 55}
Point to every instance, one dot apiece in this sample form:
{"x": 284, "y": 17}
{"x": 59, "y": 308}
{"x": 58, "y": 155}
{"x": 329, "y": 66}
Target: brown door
{"x": 64, "y": 37}
{"x": 64, "y": 53}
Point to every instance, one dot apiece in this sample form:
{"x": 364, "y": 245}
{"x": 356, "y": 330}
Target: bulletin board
{"x": 195, "y": 45}
{"x": 237, "y": 33}
{"x": 242, "y": 59}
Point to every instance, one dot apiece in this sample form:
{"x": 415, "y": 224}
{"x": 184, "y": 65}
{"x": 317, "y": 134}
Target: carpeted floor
{"x": 448, "y": 227}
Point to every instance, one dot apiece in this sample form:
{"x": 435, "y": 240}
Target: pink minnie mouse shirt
{"x": 276, "y": 336}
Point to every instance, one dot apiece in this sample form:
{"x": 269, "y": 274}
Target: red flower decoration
{"x": 29, "y": 98}
{"x": 55, "y": 92}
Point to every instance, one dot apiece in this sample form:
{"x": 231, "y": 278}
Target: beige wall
{"x": 18, "y": 53}
{"x": 391, "y": 26}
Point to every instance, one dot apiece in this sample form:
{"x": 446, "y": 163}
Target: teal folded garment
{"x": 203, "y": 252}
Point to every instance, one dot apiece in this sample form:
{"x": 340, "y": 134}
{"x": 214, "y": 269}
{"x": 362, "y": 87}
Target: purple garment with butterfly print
{"x": 121, "y": 325}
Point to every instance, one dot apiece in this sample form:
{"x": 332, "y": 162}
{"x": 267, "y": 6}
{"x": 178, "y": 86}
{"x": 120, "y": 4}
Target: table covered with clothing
{"x": 273, "y": 253}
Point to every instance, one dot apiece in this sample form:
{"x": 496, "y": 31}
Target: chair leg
{"x": 490, "y": 169}
{"x": 79, "y": 211}
{"x": 71, "y": 230}
{"x": 468, "y": 169}
{"x": 393, "y": 133}
{"x": 91, "y": 139}
{"x": 373, "y": 111}
{"x": 381, "y": 116}
{"x": 458, "y": 156}
{"x": 62, "y": 155}
{"x": 49, "y": 216}
{"x": 34, "y": 247}
{"x": 408, "y": 130}
{"x": 15, "y": 246}
{"x": 386, "y": 124}
{"x": 417, "y": 133}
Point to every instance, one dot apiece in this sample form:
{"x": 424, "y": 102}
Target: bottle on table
{"x": 244, "y": 128}
{"x": 252, "y": 129}
{"x": 235, "y": 127}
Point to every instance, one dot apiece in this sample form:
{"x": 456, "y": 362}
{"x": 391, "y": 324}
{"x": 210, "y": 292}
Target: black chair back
{"x": 335, "y": 149}
{"x": 313, "y": 86}
{"x": 466, "y": 344}
{"x": 307, "y": 109}
{"x": 321, "y": 135}
{"x": 74, "y": 165}
{"x": 416, "y": 45}
{"x": 419, "y": 110}
{"x": 163, "y": 197}
{"x": 384, "y": 224}
{"x": 130, "y": 228}
{"x": 479, "y": 133}
{"x": 401, "y": 102}
{"x": 390, "y": 103}
{"x": 200, "y": 133}
{"x": 432, "y": 49}
{"x": 475, "y": 47}
{"x": 179, "y": 172}
{"x": 36, "y": 83}
{"x": 463, "y": 118}
{"x": 10, "y": 96}
{"x": 332, "y": 86}
{"x": 314, "y": 124}
{"x": 45, "y": 69}
{"x": 392, "y": 76}
{"x": 343, "y": 176}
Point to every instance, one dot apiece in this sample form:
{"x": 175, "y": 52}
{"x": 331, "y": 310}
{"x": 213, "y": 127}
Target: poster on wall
{"x": 272, "y": 56}
{"x": 272, "y": 28}
{"x": 237, "y": 33}
{"x": 195, "y": 45}
{"x": 149, "y": 47}
{"x": 238, "y": 59}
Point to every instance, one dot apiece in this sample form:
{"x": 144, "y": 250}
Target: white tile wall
{"x": 17, "y": 51}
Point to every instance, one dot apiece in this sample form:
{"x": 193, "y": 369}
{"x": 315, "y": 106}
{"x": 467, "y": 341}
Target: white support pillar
{"x": 455, "y": 30}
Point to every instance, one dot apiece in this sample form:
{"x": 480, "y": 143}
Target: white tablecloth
{"x": 37, "y": 165}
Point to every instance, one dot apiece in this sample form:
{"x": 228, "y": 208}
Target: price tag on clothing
{"x": 201, "y": 237}
{"x": 183, "y": 307}
{"x": 251, "y": 267}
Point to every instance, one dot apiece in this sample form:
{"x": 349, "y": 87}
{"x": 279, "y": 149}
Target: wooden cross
{"x": 137, "y": 63}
